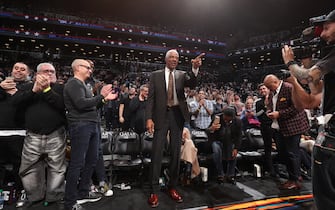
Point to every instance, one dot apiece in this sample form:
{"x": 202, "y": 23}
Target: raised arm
{"x": 312, "y": 76}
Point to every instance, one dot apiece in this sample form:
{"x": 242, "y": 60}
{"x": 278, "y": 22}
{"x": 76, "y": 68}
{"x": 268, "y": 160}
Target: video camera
{"x": 310, "y": 43}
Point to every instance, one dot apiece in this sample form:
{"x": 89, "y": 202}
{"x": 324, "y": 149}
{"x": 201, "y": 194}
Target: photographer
{"x": 324, "y": 154}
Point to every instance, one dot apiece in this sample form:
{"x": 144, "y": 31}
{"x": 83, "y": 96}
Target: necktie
{"x": 170, "y": 90}
{"x": 274, "y": 92}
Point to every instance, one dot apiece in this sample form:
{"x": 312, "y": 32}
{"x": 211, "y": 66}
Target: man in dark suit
{"x": 288, "y": 124}
{"x": 167, "y": 110}
{"x": 261, "y": 106}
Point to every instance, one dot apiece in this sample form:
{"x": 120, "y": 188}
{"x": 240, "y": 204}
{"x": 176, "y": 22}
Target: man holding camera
{"x": 324, "y": 152}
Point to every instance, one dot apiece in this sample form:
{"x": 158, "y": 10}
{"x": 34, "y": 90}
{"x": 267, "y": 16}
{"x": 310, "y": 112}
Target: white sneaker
{"x": 105, "y": 190}
{"x": 91, "y": 197}
{"x": 77, "y": 207}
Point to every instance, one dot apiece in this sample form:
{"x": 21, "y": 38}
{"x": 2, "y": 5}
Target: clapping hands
{"x": 41, "y": 83}
{"x": 108, "y": 93}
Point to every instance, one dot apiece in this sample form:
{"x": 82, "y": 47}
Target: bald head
{"x": 272, "y": 82}
{"x": 81, "y": 69}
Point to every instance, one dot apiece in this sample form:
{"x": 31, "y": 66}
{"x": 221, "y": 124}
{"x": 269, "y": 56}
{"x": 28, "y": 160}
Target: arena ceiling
{"x": 221, "y": 18}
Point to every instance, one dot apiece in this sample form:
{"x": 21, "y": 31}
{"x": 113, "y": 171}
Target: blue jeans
{"x": 100, "y": 167}
{"x": 32, "y": 170}
{"x": 84, "y": 155}
{"x": 218, "y": 160}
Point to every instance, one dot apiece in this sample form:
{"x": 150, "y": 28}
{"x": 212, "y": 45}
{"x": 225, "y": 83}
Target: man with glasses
{"x": 83, "y": 128}
{"x": 44, "y": 144}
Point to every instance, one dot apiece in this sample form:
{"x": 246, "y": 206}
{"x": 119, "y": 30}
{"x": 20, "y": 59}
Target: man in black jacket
{"x": 11, "y": 123}
{"x": 266, "y": 130}
{"x": 44, "y": 145}
{"x": 225, "y": 134}
{"x": 137, "y": 110}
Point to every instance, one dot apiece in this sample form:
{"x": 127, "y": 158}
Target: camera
{"x": 284, "y": 74}
{"x": 310, "y": 44}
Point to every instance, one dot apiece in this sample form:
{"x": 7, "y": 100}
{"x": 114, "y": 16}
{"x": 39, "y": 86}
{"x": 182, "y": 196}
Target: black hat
{"x": 324, "y": 18}
{"x": 229, "y": 111}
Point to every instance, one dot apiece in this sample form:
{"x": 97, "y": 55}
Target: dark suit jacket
{"x": 157, "y": 100}
{"x": 291, "y": 121}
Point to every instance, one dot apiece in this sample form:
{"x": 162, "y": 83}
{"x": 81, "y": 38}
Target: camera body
{"x": 310, "y": 44}
{"x": 284, "y": 74}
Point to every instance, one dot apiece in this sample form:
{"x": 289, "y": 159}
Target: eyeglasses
{"x": 48, "y": 71}
{"x": 87, "y": 67}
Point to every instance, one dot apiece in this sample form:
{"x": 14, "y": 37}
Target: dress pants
{"x": 289, "y": 153}
{"x": 267, "y": 133}
{"x": 174, "y": 124}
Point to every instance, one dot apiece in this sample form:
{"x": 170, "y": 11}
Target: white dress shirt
{"x": 167, "y": 73}
{"x": 275, "y": 124}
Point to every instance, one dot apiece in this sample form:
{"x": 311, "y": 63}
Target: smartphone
{"x": 216, "y": 119}
{"x": 10, "y": 78}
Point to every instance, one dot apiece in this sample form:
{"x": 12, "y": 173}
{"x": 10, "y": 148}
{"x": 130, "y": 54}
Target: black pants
{"x": 173, "y": 124}
{"x": 323, "y": 175}
{"x": 289, "y": 153}
{"x": 267, "y": 134}
{"x": 10, "y": 153}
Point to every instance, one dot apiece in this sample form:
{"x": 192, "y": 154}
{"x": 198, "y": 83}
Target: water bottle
{"x": 2, "y": 200}
{"x": 321, "y": 136}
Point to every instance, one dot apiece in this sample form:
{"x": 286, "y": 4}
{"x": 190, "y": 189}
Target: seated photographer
{"x": 225, "y": 133}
